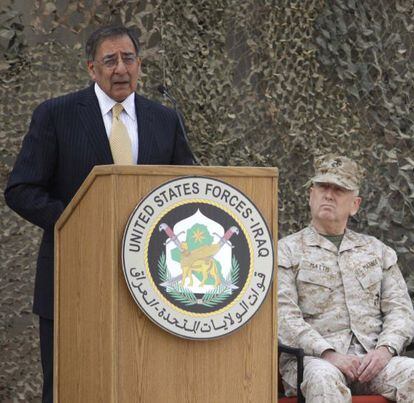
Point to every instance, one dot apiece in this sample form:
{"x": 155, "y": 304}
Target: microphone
{"x": 164, "y": 92}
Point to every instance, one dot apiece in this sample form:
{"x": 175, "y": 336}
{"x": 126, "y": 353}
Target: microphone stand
{"x": 164, "y": 92}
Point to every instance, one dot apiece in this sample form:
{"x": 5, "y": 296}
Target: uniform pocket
{"x": 314, "y": 290}
{"x": 370, "y": 278}
{"x": 371, "y": 283}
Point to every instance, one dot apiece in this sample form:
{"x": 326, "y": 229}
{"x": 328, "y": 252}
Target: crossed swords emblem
{"x": 191, "y": 259}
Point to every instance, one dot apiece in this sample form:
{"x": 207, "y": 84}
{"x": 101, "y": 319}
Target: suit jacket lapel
{"x": 91, "y": 117}
{"x": 145, "y": 136}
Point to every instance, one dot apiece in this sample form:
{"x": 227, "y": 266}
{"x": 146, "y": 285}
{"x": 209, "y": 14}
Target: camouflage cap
{"x": 339, "y": 170}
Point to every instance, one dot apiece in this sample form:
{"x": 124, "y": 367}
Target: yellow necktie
{"x": 119, "y": 139}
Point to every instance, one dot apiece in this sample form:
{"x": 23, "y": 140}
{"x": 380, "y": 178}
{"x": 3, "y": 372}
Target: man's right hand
{"x": 348, "y": 364}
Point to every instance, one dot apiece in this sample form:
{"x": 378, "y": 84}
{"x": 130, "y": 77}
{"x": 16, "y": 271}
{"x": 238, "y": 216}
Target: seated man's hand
{"x": 348, "y": 364}
{"x": 373, "y": 363}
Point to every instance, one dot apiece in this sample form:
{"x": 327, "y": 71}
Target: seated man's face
{"x": 116, "y": 67}
{"x": 330, "y": 203}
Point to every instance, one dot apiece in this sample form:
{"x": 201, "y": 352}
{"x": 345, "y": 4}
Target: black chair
{"x": 299, "y": 354}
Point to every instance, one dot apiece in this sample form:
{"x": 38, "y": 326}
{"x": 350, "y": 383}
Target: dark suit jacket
{"x": 66, "y": 139}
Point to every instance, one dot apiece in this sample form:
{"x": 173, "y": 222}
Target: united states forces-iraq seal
{"x": 197, "y": 257}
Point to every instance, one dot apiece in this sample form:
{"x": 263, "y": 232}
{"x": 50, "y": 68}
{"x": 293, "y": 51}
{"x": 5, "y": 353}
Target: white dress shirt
{"x": 128, "y": 117}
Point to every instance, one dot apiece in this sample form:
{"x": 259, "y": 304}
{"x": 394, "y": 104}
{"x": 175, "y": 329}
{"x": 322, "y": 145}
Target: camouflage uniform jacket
{"x": 326, "y": 296}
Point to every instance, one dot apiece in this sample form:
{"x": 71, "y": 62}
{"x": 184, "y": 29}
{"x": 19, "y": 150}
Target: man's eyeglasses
{"x": 112, "y": 62}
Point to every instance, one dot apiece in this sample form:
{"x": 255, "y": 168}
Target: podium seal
{"x": 197, "y": 257}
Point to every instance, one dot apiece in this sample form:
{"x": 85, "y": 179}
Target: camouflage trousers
{"x": 324, "y": 383}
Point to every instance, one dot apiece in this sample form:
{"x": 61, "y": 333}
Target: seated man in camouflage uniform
{"x": 343, "y": 299}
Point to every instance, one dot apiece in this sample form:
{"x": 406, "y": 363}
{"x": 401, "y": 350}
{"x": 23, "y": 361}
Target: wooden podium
{"x": 106, "y": 349}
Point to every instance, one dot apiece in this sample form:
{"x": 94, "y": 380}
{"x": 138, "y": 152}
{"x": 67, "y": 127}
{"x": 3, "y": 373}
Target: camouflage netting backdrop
{"x": 260, "y": 83}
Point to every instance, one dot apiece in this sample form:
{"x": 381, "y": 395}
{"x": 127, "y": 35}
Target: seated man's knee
{"x": 322, "y": 380}
{"x": 403, "y": 374}
{"x": 320, "y": 371}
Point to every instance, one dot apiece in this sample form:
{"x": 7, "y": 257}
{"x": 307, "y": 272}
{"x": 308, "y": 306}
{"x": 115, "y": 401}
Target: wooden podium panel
{"x": 106, "y": 349}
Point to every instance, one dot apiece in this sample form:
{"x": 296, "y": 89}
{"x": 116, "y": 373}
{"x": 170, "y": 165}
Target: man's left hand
{"x": 373, "y": 363}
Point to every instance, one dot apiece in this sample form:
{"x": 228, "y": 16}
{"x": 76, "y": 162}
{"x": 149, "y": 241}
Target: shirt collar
{"x": 106, "y": 103}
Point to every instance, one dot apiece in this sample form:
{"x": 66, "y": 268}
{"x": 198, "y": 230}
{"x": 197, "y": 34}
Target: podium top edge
{"x": 184, "y": 170}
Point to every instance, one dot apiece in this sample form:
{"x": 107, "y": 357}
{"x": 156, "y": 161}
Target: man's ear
{"x": 355, "y": 206}
{"x": 310, "y": 194}
{"x": 139, "y": 61}
{"x": 91, "y": 69}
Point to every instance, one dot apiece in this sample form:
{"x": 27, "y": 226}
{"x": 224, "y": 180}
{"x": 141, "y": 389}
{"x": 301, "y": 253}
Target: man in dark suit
{"x": 71, "y": 134}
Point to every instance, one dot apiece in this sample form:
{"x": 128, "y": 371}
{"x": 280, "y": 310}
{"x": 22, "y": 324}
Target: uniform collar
{"x": 351, "y": 240}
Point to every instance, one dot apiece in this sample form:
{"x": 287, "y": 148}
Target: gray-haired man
{"x": 71, "y": 134}
{"x": 343, "y": 299}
